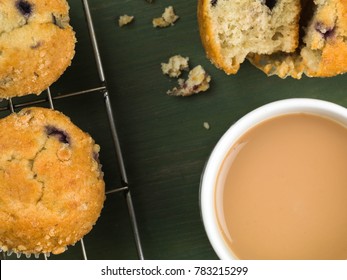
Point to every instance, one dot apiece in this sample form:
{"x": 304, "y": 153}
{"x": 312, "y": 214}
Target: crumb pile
{"x": 198, "y": 80}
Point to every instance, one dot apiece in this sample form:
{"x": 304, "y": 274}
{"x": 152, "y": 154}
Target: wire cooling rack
{"x": 123, "y": 186}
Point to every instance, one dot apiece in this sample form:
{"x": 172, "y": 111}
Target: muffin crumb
{"x": 175, "y": 66}
{"x": 198, "y": 81}
{"x": 167, "y": 18}
{"x": 206, "y": 125}
{"x": 124, "y": 20}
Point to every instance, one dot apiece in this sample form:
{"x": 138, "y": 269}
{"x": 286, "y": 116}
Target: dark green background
{"x": 164, "y": 143}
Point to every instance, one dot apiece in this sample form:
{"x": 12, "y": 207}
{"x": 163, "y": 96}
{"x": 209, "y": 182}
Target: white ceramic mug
{"x": 208, "y": 180}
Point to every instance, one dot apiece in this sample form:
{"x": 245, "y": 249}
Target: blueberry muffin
{"x": 51, "y": 184}
{"x": 232, "y": 29}
{"x": 323, "y": 48}
{"x": 36, "y": 45}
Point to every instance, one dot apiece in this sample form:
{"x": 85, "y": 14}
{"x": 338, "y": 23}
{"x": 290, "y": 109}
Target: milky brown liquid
{"x": 281, "y": 192}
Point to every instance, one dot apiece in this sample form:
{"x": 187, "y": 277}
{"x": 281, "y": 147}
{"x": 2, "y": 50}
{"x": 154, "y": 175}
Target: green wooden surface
{"x": 164, "y": 143}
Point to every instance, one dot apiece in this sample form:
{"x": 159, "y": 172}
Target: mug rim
{"x": 228, "y": 139}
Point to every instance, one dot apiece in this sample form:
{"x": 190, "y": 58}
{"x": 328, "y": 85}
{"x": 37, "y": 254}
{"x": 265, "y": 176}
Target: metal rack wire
{"x": 102, "y": 89}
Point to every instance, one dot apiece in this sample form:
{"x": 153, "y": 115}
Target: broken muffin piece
{"x": 230, "y": 30}
{"x": 323, "y": 48}
{"x": 280, "y": 37}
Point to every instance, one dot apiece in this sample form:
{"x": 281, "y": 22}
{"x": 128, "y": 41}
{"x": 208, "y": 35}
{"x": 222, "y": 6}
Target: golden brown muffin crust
{"x": 212, "y": 48}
